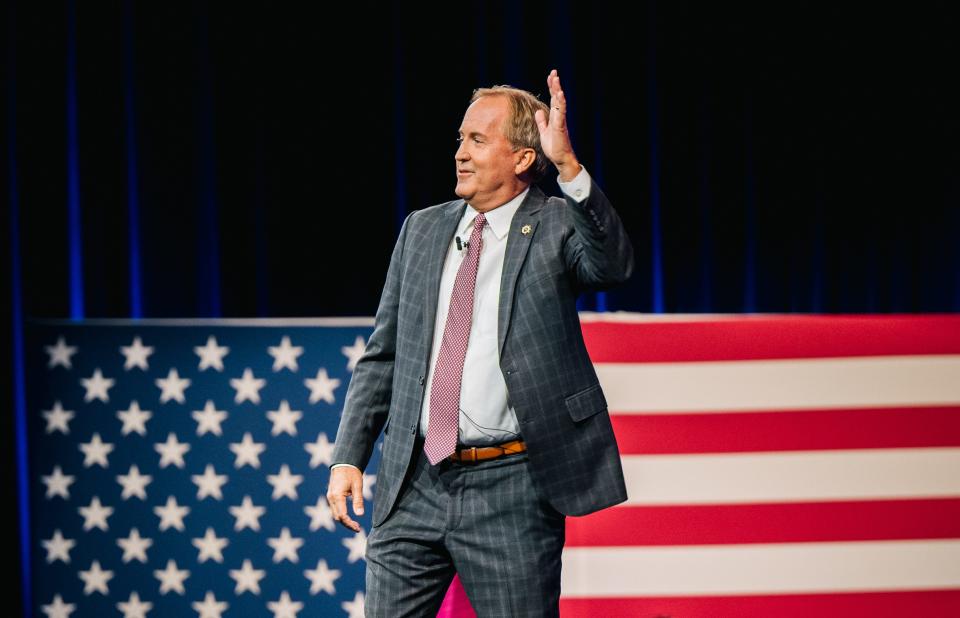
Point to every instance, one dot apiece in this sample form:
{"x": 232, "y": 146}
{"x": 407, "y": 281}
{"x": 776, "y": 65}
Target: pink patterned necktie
{"x": 444, "y": 422}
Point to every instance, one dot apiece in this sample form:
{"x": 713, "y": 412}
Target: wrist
{"x": 569, "y": 169}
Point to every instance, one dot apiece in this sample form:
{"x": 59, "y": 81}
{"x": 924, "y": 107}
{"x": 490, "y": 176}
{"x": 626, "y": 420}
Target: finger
{"x": 358, "y": 497}
{"x": 554, "y": 82}
{"x": 340, "y": 512}
{"x": 345, "y": 519}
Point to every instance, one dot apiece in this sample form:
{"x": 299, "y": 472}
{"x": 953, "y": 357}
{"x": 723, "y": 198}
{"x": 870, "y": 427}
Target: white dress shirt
{"x": 485, "y": 414}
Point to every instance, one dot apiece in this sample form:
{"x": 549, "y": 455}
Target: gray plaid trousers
{"x": 485, "y": 521}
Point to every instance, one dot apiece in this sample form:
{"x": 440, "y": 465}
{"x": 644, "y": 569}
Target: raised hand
{"x": 554, "y": 137}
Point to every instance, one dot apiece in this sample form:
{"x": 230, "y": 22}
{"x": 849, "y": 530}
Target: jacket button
{"x": 421, "y": 379}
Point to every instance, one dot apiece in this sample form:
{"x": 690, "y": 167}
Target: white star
{"x": 171, "y": 451}
{"x": 134, "y": 483}
{"x": 59, "y": 609}
{"x": 357, "y": 544}
{"x": 136, "y": 354}
{"x": 95, "y": 515}
{"x": 322, "y": 387}
{"x": 211, "y": 355}
{"x": 284, "y": 607}
{"x": 320, "y": 451}
{"x": 322, "y": 578}
{"x": 210, "y": 608}
{"x": 95, "y": 451}
{"x": 60, "y": 355}
{"x": 58, "y": 548}
{"x": 285, "y": 546}
{"x": 247, "y": 387}
{"x": 172, "y": 386}
{"x": 97, "y": 387}
{"x": 134, "y": 546}
{"x": 171, "y": 514}
{"x": 209, "y": 419}
{"x": 134, "y": 607}
{"x": 210, "y": 546}
{"x": 247, "y": 578}
{"x": 284, "y": 483}
{"x": 58, "y": 483}
{"x": 320, "y": 515}
{"x": 171, "y": 578}
{"x": 209, "y": 483}
{"x": 354, "y": 352}
{"x": 57, "y": 418}
{"x": 134, "y": 419}
{"x": 247, "y": 515}
{"x": 368, "y": 481}
{"x": 284, "y": 419}
{"x": 285, "y": 355}
{"x": 247, "y": 451}
{"x": 354, "y": 608}
{"x": 95, "y": 579}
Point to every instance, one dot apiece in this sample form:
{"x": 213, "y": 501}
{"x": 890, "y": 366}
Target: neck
{"x": 486, "y": 206}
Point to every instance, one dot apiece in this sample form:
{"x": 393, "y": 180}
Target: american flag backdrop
{"x": 180, "y": 468}
{"x": 776, "y": 465}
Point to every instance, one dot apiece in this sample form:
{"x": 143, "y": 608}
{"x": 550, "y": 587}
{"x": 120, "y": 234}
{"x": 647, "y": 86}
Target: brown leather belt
{"x": 480, "y": 453}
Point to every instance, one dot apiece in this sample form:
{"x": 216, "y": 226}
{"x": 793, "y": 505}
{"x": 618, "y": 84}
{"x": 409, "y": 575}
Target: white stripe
{"x": 792, "y": 476}
{"x": 632, "y": 317}
{"x": 763, "y": 568}
{"x": 723, "y": 386}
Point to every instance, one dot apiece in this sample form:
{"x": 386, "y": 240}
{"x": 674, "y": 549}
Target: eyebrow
{"x": 472, "y": 133}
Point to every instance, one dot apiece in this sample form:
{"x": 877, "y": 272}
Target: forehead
{"x": 486, "y": 115}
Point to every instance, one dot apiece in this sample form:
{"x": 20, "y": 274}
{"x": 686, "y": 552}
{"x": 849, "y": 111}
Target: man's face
{"x": 486, "y": 163}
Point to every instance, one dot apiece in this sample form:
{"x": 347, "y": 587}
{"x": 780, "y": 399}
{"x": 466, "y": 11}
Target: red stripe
{"x": 755, "y": 337}
{"x": 934, "y": 518}
{"x": 933, "y": 603}
{"x": 725, "y": 432}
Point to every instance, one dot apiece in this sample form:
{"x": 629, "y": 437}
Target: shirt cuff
{"x": 579, "y": 187}
{"x": 343, "y": 464}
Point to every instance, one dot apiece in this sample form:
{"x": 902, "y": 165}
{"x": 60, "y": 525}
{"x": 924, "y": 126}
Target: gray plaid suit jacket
{"x": 568, "y": 247}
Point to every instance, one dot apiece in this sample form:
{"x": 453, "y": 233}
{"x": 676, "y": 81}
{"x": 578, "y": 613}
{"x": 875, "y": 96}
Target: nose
{"x": 461, "y": 154}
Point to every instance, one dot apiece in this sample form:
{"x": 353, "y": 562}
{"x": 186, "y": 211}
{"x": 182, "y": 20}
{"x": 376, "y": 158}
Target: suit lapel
{"x": 518, "y": 244}
{"x": 437, "y": 244}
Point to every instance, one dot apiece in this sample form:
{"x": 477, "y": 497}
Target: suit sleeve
{"x": 599, "y": 252}
{"x": 368, "y": 395}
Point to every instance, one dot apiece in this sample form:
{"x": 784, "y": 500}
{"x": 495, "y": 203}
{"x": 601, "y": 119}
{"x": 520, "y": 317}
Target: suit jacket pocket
{"x": 540, "y": 275}
{"x": 586, "y": 403}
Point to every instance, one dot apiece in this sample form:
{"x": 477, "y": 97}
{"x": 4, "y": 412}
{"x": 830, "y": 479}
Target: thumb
{"x": 358, "y": 497}
{"x": 541, "y": 120}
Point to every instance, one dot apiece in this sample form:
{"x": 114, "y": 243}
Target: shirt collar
{"x": 499, "y": 218}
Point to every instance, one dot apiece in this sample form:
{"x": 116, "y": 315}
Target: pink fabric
{"x": 456, "y": 604}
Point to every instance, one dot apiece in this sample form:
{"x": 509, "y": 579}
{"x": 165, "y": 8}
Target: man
{"x": 495, "y": 425}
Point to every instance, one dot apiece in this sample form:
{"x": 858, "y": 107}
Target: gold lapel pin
{"x": 525, "y": 229}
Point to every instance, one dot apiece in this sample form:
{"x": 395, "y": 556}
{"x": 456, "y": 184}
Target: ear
{"x": 525, "y": 162}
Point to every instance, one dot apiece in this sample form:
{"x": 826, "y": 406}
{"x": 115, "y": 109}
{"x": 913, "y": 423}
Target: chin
{"x": 462, "y": 192}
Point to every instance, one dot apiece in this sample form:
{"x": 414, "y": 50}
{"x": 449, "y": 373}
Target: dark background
{"x": 256, "y": 159}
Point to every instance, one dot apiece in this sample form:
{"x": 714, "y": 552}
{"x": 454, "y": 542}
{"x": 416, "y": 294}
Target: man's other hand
{"x": 345, "y": 481}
